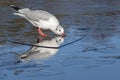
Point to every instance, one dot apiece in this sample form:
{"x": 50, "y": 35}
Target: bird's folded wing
{"x": 37, "y": 15}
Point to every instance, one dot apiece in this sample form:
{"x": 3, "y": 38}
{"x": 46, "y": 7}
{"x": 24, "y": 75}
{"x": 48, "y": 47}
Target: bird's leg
{"x": 41, "y": 32}
{"x": 40, "y": 39}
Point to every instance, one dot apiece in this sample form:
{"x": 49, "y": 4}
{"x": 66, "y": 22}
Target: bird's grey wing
{"x": 37, "y": 15}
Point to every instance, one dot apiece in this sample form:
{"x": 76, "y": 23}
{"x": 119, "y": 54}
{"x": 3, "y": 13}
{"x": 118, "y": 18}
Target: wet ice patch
{"x": 85, "y": 61}
{"x": 27, "y": 66}
{"x": 111, "y": 57}
{"x": 3, "y": 75}
{"x": 46, "y": 73}
{"x": 7, "y": 59}
{"x": 109, "y": 50}
{"x": 69, "y": 61}
{"x": 102, "y": 49}
{"x": 89, "y": 49}
{"x": 30, "y": 69}
{"x": 9, "y": 49}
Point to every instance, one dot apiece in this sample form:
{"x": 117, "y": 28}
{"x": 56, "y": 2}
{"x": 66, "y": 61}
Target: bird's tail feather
{"x": 15, "y": 7}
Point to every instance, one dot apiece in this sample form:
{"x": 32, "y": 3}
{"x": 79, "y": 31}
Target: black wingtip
{"x": 14, "y": 7}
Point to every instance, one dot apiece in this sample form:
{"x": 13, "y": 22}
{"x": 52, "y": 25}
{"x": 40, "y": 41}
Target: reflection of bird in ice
{"x": 39, "y": 53}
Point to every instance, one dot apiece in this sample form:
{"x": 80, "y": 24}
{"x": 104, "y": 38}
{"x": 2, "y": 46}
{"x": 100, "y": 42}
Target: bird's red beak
{"x": 63, "y": 35}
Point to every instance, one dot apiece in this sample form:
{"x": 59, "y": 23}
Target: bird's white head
{"x": 59, "y": 30}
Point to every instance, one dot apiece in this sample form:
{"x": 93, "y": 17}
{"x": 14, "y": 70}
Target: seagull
{"x": 40, "y": 19}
